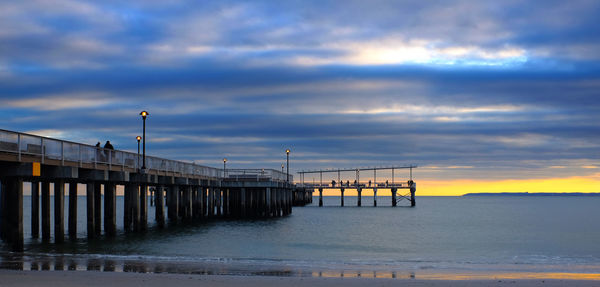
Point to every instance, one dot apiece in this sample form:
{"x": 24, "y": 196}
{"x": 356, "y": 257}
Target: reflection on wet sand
{"x": 19, "y": 261}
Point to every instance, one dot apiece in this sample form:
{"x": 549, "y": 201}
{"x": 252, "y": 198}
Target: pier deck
{"x": 359, "y": 186}
{"x": 187, "y": 190}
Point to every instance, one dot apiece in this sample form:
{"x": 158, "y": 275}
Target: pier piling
{"x": 35, "y": 209}
{"x": 89, "y": 196}
{"x": 72, "y": 210}
{"x": 45, "y": 211}
{"x": 110, "y": 211}
{"x": 159, "y": 213}
{"x": 98, "y": 208}
{"x": 59, "y": 211}
{"x": 374, "y": 196}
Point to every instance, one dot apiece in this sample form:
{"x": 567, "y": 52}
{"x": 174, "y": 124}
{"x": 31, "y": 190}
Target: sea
{"x": 440, "y": 235}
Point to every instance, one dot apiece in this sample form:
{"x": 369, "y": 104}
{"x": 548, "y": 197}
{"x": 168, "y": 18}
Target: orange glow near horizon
{"x": 459, "y": 187}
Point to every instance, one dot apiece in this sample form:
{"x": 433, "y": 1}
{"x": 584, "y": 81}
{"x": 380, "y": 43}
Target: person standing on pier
{"x": 108, "y": 145}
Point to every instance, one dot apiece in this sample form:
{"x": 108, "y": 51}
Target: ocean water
{"x": 509, "y": 234}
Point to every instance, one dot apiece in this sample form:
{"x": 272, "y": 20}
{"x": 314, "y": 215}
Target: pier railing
{"x": 22, "y": 144}
{"x": 257, "y": 174}
{"x": 362, "y": 184}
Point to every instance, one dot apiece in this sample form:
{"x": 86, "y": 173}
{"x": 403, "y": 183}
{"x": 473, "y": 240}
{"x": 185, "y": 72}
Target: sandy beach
{"x": 116, "y": 279}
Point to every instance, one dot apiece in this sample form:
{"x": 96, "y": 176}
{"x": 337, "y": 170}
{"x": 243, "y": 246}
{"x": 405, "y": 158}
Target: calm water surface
{"x": 558, "y": 234}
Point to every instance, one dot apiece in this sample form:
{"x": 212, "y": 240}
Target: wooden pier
{"x": 189, "y": 192}
{"x": 342, "y": 184}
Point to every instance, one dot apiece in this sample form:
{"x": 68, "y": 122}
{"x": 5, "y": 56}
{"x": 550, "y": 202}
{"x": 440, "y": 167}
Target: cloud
{"x": 480, "y": 90}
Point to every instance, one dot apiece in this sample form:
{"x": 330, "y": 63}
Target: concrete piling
{"x": 374, "y": 196}
{"x": 135, "y": 206}
{"x": 72, "y": 210}
{"x": 89, "y": 196}
{"x": 35, "y": 209}
{"x": 173, "y": 209}
{"x": 98, "y": 208}
{"x": 320, "y": 196}
{"x": 413, "y": 189}
{"x": 342, "y": 197}
{"x": 12, "y": 212}
{"x": 394, "y": 190}
{"x": 127, "y": 207}
{"x": 110, "y": 211}
{"x": 159, "y": 213}
{"x": 359, "y": 199}
{"x": 59, "y": 211}
{"x": 46, "y": 211}
{"x": 143, "y": 207}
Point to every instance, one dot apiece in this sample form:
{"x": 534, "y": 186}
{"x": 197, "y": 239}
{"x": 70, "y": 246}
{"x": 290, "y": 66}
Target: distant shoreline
{"x": 533, "y": 194}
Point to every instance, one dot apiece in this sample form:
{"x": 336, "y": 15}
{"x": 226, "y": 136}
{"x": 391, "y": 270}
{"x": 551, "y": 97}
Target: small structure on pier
{"x": 394, "y": 186}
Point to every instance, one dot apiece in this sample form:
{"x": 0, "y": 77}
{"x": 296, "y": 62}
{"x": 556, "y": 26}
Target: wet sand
{"x": 117, "y": 279}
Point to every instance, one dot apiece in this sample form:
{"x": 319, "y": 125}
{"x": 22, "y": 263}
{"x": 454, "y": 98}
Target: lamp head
{"x": 287, "y": 151}
{"x": 144, "y": 114}
{"x": 224, "y": 160}
{"x": 138, "y": 138}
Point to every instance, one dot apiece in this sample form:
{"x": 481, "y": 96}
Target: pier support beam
{"x": 12, "y": 212}
{"x": 173, "y": 209}
{"x": 394, "y": 190}
{"x": 110, "y": 214}
{"x": 98, "y": 208}
{"x": 243, "y": 202}
{"x": 59, "y": 211}
{"x": 321, "y": 196}
{"x": 359, "y": 199}
{"x": 413, "y": 189}
{"x": 219, "y": 198}
{"x": 46, "y": 211}
{"x": 342, "y": 191}
{"x": 135, "y": 206}
{"x": 35, "y": 209}
{"x": 143, "y": 207}
{"x": 268, "y": 202}
{"x": 89, "y": 197}
{"x": 225, "y": 203}
{"x": 201, "y": 201}
{"x": 189, "y": 213}
{"x": 374, "y": 196}
{"x": 211, "y": 201}
{"x": 72, "y": 210}
{"x": 159, "y": 205}
{"x": 127, "y": 207}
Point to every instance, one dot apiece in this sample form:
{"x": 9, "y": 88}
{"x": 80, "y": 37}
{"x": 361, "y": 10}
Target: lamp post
{"x": 138, "y": 138}
{"x": 282, "y": 168}
{"x": 287, "y": 154}
{"x": 224, "y": 166}
{"x": 144, "y": 114}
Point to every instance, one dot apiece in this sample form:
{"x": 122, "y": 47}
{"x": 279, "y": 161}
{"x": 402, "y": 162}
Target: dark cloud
{"x": 504, "y": 89}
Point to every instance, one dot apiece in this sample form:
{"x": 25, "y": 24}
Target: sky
{"x": 481, "y": 95}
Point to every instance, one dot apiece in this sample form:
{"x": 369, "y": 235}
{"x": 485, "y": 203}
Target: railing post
{"x": 19, "y": 145}
{"x": 43, "y": 149}
{"x": 109, "y": 159}
{"x": 80, "y": 159}
{"x": 62, "y": 153}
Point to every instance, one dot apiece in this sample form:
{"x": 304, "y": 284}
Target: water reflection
{"x": 21, "y": 261}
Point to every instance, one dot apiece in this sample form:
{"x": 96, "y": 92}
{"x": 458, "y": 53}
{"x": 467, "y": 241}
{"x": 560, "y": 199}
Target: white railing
{"x": 60, "y": 150}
